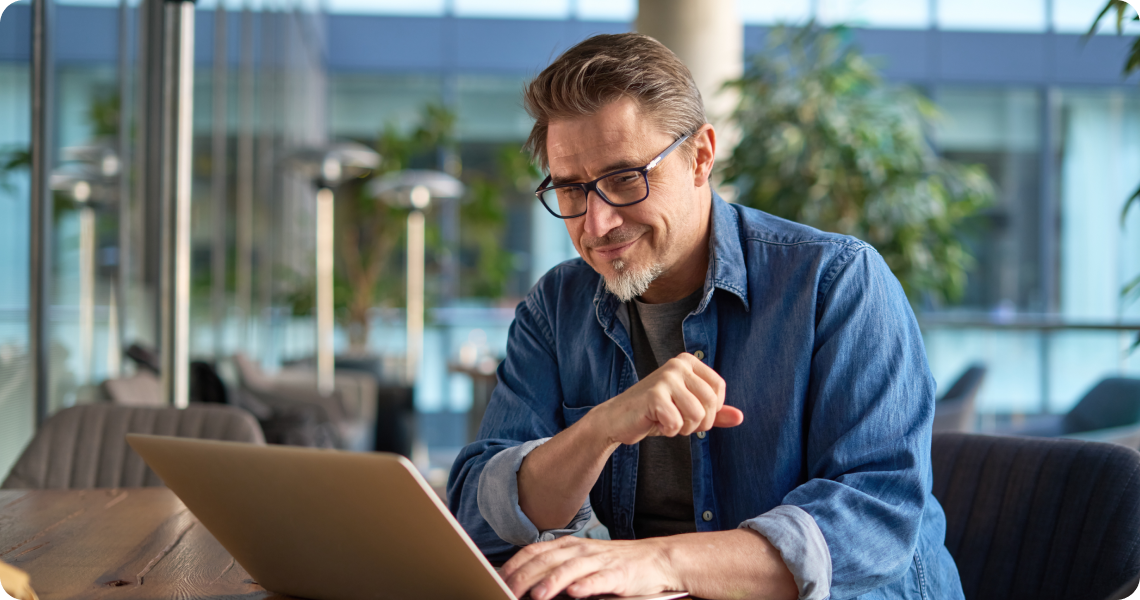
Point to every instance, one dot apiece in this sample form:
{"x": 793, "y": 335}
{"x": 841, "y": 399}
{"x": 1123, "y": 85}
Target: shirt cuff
{"x": 802, "y": 546}
{"x": 498, "y": 499}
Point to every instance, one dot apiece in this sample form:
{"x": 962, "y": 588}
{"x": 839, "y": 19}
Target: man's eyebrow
{"x": 610, "y": 168}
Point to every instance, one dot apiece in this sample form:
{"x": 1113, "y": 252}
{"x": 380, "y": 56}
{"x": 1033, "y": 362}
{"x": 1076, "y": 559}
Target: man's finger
{"x": 729, "y": 416}
{"x": 667, "y": 416}
{"x": 709, "y": 399}
{"x": 690, "y": 405}
{"x": 539, "y": 567}
{"x": 708, "y": 374}
{"x": 602, "y": 582}
{"x": 564, "y": 575}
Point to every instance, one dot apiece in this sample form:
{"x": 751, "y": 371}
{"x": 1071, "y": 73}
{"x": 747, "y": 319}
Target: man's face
{"x": 645, "y": 241}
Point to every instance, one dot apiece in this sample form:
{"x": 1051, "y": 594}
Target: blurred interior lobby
{"x": 171, "y": 235}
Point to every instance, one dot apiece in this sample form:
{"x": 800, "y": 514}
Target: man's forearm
{"x": 738, "y": 564}
{"x": 555, "y": 479}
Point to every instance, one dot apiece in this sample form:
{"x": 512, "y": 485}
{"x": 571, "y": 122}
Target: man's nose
{"x": 601, "y": 218}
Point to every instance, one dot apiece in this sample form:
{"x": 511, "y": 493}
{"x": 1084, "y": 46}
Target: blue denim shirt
{"x": 820, "y": 350}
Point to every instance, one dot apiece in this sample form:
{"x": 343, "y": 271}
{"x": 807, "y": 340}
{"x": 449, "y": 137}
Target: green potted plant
{"x": 826, "y": 142}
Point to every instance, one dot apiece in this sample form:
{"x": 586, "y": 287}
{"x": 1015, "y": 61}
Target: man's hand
{"x": 681, "y": 397}
{"x": 584, "y": 567}
{"x": 739, "y": 564}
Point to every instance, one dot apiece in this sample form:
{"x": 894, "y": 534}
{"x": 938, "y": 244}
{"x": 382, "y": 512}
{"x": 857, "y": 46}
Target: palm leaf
{"x": 1128, "y": 205}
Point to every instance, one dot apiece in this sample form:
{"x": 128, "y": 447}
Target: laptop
{"x": 325, "y": 524}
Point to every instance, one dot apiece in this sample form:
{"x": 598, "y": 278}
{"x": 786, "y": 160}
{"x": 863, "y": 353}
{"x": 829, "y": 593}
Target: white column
{"x": 708, "y": 36}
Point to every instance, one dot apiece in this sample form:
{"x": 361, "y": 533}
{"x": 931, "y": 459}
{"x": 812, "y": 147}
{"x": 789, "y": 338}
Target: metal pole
{"x": 116, "y": 324}
{"x": 179, "y": 101}
{"x": 244, "y": 226}
{"x": 40, "y": 236}
{"x": 218, "y": 190}
{"x": 415, "y": 293}
{"x": 324, "y": 308}
{"x": 269, "y": 98}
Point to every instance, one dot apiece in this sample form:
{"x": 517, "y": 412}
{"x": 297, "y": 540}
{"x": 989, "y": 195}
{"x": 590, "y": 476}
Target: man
{"x": 743, "y": 401}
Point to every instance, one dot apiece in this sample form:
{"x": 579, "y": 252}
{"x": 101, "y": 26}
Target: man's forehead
{"x": 613, "y": 134}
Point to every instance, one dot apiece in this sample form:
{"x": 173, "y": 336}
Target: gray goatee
{"x": 629, "y": 284}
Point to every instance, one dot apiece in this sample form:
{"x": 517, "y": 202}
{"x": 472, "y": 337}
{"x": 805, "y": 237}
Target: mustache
{"x": 620, "y": 235}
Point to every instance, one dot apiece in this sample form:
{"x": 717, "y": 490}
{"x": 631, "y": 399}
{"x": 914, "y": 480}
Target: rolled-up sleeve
{"x": 499, "y": 500}
{"x": 801, "y": 544}
{"x": 524, "y": 411}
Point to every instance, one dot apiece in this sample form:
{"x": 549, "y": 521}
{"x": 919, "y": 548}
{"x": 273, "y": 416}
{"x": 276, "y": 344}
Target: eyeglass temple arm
{"x": 660, "y": 157}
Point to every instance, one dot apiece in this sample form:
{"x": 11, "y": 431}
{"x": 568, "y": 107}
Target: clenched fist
{"x": 681, "y": 397}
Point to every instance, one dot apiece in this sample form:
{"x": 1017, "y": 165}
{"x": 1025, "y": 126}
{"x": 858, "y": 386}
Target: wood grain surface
{"x": 127, "y": 543}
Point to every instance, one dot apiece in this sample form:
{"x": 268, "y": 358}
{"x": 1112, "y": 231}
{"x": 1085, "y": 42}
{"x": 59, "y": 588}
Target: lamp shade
{"x": 415, "y": 188}
{"x": 334, "y": 164}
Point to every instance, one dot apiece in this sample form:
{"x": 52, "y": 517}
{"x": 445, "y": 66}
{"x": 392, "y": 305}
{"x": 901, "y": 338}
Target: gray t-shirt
{"x": 663, "y": 503}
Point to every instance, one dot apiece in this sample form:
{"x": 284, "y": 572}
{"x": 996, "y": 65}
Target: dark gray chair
{"x": 85, "y": 446}
{"x": 1109, "y": 412}
{"x": 954, "y": 411}
{"x": 1040, "y": 519}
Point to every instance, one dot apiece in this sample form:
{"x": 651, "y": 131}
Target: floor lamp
{"x": 88, "y": 177}
{"x": 415, "y": 190}
{"x": 328, "y": 168}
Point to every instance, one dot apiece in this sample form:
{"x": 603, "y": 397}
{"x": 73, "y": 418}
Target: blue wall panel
{"x": 371, "y": 43}
{"x": 16, "y": 33}
{"x": 1018, "y": 58}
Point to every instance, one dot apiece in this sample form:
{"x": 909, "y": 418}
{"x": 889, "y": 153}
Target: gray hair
{"x": 606, "y": 68}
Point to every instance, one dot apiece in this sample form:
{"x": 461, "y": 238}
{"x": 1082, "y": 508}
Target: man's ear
{"x": 704, "y": 150}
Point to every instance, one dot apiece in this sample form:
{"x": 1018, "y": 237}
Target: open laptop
{"x": 324, "y": 524}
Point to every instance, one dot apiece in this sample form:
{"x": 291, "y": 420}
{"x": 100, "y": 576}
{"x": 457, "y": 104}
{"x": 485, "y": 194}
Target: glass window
{"x": 624, "y": 11}
{"x": 999, "y": 129}
{"x": 910, "y": 14}
{"x": 361, "y": 105}
{"x": 1099, "y": 168}
{"x": 1076, "y": 16}
{"x": 17, "y": 413}
{"x": 986, "y": 15}
{"x": 762, "y": 12}
{"x": 490, "y": 109}
{"x": 513, "y": 9}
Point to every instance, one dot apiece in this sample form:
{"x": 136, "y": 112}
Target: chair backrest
{"x": 1113, "y": 402}
{"x": 1036, "y": 518}
{"x": 85, "y": 446}
{"x": 954, "y": 411}
{"x": 141, "y": 389}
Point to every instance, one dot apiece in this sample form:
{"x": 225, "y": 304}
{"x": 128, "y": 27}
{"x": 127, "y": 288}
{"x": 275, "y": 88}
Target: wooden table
{"x": 129, "y": 543}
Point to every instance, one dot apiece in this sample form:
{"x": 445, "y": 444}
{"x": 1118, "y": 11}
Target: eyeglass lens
{"x": 619, "y": 189}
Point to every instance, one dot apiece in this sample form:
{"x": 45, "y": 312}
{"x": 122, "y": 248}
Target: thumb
{"x": 728, "y": 416}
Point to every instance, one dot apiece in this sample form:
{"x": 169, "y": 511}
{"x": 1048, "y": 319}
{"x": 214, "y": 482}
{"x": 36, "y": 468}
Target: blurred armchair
{"x": 350, "y": 409}
{"x": 954, "y": 411}
{"x": 1109, "y": 412}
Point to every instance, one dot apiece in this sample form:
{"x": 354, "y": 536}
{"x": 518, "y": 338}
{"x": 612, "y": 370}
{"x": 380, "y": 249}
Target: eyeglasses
{"x": 623, "y": 187}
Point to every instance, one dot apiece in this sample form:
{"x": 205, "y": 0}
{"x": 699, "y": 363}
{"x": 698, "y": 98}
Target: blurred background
{"x": 988, "y": 150}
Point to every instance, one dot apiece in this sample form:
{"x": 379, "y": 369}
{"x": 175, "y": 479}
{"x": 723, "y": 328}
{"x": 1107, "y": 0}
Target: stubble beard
{"x": 629, "y": 283}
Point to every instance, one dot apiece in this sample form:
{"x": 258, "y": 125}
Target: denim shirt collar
{"x": 726, "y": 268}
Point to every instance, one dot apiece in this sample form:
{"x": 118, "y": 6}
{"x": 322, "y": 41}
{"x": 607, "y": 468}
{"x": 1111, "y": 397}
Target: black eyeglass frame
{"x": 592, "y": 186}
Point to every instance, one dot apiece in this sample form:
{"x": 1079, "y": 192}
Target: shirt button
{"x": 699, "y": 354}
{"x": 707, "y": 515}
{"x": 700, "y": 435}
